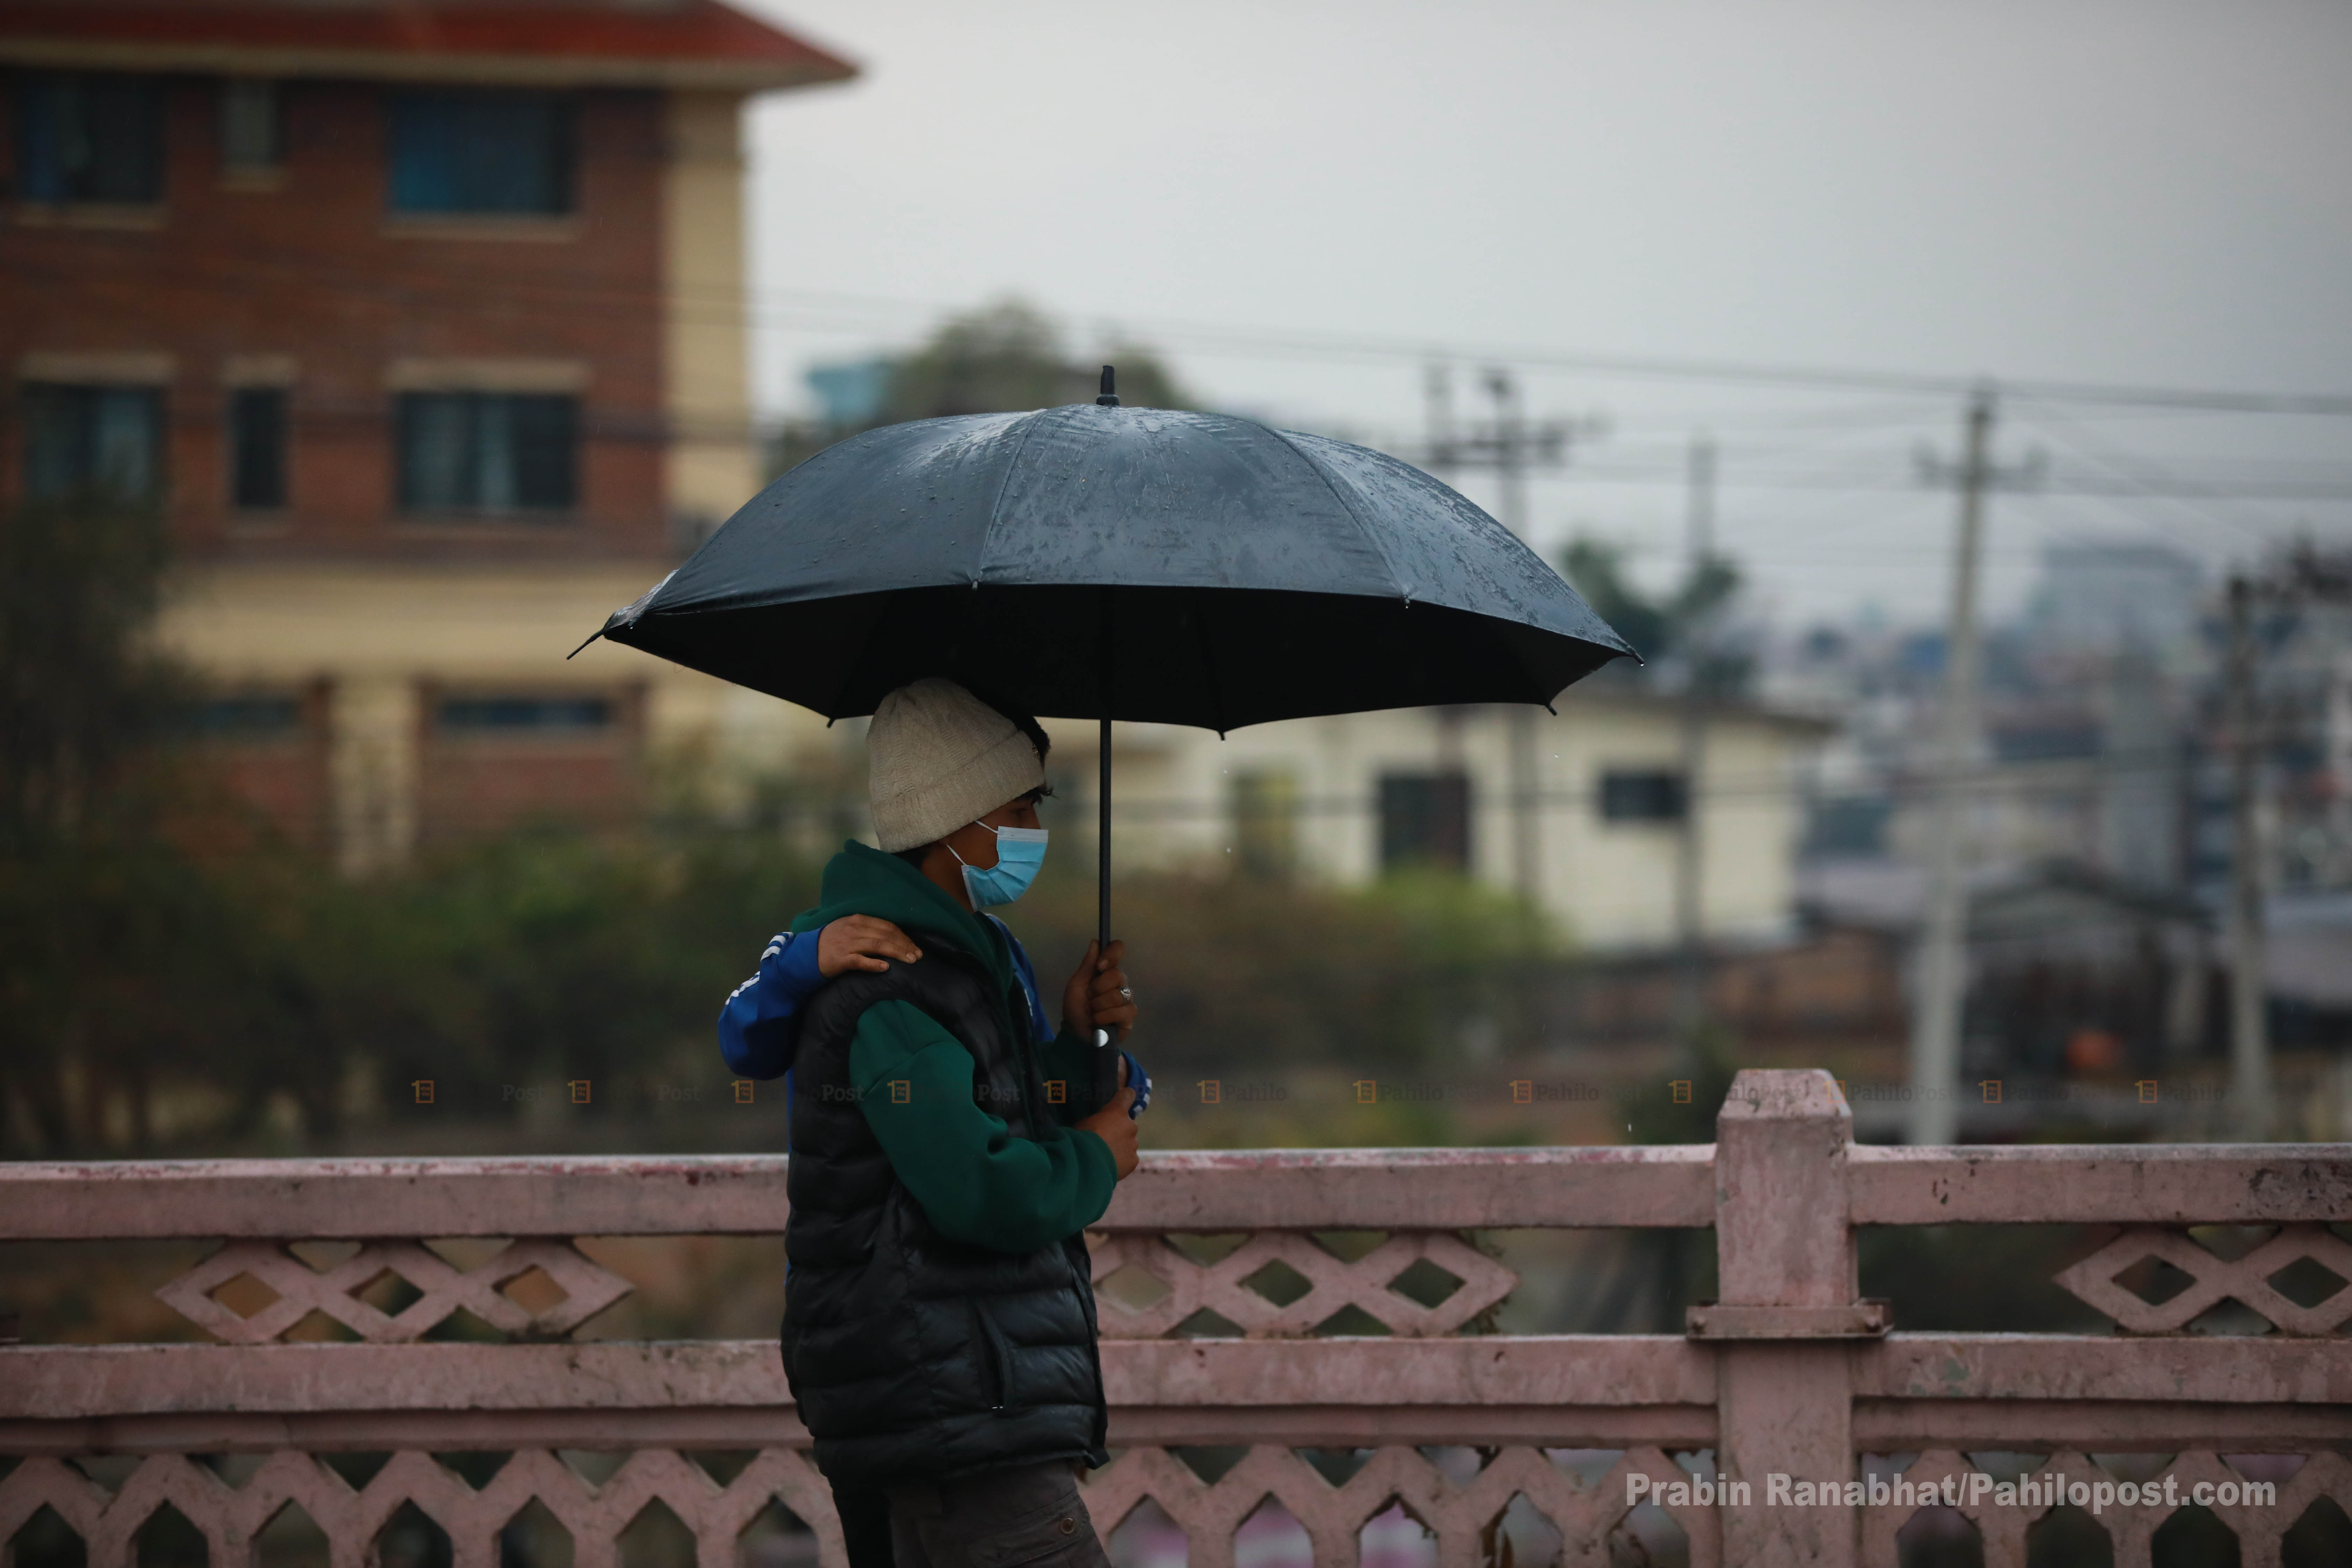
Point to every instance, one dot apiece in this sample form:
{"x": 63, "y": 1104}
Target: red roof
{"x": 669, "y": 43}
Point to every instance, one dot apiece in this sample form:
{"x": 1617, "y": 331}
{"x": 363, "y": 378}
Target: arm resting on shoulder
{"x": 759, "y": 1027}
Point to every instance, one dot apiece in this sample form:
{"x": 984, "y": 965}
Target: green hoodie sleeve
{"x": 976, "y": 1181}
{"x": 1070, "y": 1057}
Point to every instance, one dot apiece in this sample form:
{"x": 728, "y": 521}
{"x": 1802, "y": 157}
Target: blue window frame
{"x": 487, "y": 452}
{"x": 93, "y": 441}
{"x": 89, "y": 137}
{"x": 481, "y": 153}
{"x": 247, "y": 717}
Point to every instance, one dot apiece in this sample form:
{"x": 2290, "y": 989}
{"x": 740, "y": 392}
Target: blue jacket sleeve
{"x": 1027, "y": 973}
{"x": 759, "y": 1027}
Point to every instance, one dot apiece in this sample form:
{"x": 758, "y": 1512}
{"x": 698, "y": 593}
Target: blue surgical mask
{"x": 1019, "y": 852}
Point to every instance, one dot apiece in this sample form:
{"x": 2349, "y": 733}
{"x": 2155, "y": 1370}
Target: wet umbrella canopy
{"x": 1098, "y": 562}
{"x": 1109, "y": 563}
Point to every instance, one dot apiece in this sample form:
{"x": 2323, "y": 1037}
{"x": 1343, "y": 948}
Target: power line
{"x": 725, "y": 308}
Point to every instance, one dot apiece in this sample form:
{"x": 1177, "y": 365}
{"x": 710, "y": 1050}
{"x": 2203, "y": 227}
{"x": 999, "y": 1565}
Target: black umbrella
{"x": 1100, "y": 562}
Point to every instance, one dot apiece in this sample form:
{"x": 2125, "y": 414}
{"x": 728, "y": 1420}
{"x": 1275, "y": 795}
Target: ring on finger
{"x": 1126, "y": 994}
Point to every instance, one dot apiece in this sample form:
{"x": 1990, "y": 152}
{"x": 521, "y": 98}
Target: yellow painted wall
{"x": 713, "y": 460}
{"x": 378, "y": 632}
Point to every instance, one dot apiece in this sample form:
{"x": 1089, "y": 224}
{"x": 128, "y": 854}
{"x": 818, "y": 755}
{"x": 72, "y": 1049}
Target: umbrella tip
{"x": 1109, "y": 398}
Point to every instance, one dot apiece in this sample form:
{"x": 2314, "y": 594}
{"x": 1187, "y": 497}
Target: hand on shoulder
{"x": 862, "y": 942}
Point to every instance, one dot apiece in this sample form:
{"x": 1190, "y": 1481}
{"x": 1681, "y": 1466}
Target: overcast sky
{"x": 2153, "y": 192}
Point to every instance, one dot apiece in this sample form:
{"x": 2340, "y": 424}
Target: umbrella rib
{"x": 849, "y": 669}
{"x": 1369, "y": 532}
{"x": 996, "y": 503}
{"x": 1209, "y": 667}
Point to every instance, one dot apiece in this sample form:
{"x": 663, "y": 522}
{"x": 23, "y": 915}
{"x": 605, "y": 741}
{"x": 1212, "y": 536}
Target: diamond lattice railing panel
{"x": 1332, "y": 1284}
{"x": 2130, "y": 1527}
{"x": 231, "y": 1516}
{"x": 442, "y": 1290}
{"x": 2213, "y": 1281}
{"x": 1334, "y": 1516}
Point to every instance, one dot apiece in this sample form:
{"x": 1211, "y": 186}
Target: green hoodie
{"x": 975, "y": 1181}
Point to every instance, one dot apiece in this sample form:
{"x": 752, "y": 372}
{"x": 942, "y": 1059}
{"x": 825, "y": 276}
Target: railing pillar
{"x": 1784, "y": 1405}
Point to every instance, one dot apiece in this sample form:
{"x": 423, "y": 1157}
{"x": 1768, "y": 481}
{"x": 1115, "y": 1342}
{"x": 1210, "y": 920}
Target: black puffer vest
{"x": 911, "y": 1355}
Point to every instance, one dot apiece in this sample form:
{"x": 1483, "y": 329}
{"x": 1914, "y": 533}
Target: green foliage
{"x": 169, "y": 971}
{"x": 93, "y": 895}
{"x": 1247, "y": 971}
{"x": 1005, "y": 357}
{"x": 226, "y": 983}
{"x": 1655, "y": 1116}
{"x": 81, "y": 694}
{"x": 1664, "y": 627}
{"x": 552, "y": 954}
{"x": 1008, "y": 356}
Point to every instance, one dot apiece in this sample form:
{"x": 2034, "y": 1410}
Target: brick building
{"x": 423, "y": 322}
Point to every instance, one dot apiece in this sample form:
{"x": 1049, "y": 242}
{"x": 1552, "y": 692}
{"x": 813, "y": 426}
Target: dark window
{"x": 1424, "y": 820}
{"x": 486, "y": 451}
{"x": 93, "y": 440}
{"x": 248, "y": 718}
{"x": 524, "y": 715}
{"x": 1848, "y": 824}
{"x": 90, "y": 138}
{"x": 251, "y": 130}
{"x": 481, "y": 153}
{"x": 1642, "y": 794}
{"x": 2055, "y": 741}
{"x": 256, "y": 433}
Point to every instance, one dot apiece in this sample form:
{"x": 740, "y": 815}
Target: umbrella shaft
{"x": 1102, "y": 856}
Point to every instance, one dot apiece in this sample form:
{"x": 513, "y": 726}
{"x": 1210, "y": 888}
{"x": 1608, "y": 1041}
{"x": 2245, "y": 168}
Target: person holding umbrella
{"x": 1118, "y": 563}
{"x": 1088, "y": 562}
{"x": 939, "y": 1327}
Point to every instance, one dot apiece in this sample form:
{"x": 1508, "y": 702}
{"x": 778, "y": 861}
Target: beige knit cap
{"x": 939, "y": 757}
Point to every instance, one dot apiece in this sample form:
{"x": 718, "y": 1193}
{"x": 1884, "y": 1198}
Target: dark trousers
{"x": 864, "y": 1525}
{"x": 1011, "y": 1518}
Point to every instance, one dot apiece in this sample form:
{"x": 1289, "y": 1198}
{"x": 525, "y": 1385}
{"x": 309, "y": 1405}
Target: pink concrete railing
{"x": 1791, "y": 1374}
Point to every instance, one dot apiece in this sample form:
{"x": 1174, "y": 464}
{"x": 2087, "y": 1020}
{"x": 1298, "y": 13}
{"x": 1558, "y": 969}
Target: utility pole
{"x": 1690, "y": 845}
{"x": 1506, "y": 446}
{"x": 1437, "y": 410}
{"x": 2249, "y": 1047}
{"x": 1511, "y": 450}
{"x": 1943, "y": 956}
{"x": 2305, "y": 577}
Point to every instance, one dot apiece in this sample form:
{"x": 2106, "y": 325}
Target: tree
{"x": 1008, "y": 356}
{"x": 1665, "y": 630}
{"x": 1003, "y": 358}
{"x": 83, "y": 705}
{"x": 151, "y": 942}
{"x": 82, "y": 695}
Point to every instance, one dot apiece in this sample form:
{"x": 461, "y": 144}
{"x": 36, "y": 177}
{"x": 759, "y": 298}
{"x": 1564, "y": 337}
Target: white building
{"x": 1592, "y": 835}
